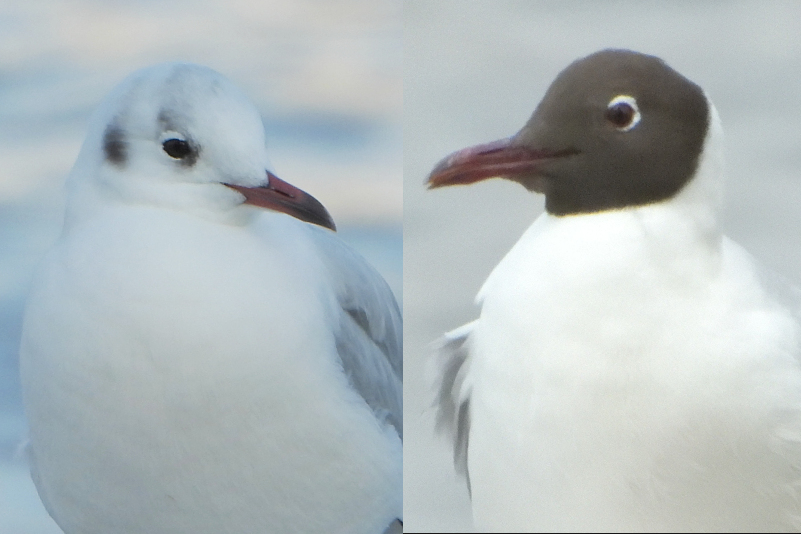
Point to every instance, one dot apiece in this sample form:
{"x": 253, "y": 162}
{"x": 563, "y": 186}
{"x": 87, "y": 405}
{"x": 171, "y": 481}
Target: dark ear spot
{"x": 114, "y": 145}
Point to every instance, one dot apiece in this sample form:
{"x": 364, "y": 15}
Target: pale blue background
{"x": 326, "y": 76}
{"x": 474, "y": 71}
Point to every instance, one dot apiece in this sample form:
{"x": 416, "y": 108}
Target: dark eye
{"x": 177, "y": 148}
{"x": 623, "y": 113}
{"x": 620, "y": 114}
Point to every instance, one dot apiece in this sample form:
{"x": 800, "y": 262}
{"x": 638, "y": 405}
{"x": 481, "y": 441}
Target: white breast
{"x": 181, "y": 376}
{"x": 629, "y": 373}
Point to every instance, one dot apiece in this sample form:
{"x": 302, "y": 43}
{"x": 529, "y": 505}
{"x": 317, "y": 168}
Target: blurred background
{"x": 325, "y": 74}
{"x": 474, "y": 71}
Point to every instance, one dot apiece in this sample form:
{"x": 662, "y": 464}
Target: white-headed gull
{"x": 632, "y": 369}
{"x": 193, "y": 362}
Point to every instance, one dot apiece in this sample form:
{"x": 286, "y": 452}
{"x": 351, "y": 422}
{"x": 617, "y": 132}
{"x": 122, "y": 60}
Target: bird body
{"x": 632, "y": 368}
{"x": 583, "y": 418}
{"x": 195, "y": 368}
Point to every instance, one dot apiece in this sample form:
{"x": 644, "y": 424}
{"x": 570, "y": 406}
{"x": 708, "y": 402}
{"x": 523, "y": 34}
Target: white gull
{"x": 192, "y": 362}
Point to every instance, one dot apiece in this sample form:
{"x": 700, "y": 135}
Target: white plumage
{"x": 194, "y": 364}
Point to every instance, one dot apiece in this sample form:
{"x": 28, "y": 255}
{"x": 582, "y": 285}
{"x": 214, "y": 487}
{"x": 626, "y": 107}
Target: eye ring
{"x": 623, "y": 112}
{"x": 177, "y": 148}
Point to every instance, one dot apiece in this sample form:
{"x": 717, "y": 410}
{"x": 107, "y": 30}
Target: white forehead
{"x": 181, "y": 97}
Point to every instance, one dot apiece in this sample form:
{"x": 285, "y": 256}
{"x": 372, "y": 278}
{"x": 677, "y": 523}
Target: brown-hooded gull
{"x": 632, "y": 368}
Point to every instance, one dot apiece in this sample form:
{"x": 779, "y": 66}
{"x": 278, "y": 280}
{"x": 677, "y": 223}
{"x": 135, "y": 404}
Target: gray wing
{"x": 395, "y": 528}
{"x": 369, "y": 339}
{"x": 453, "y": 398}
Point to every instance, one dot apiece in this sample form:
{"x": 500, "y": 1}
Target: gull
{"x": 632, "y": 369}
{"x": 200, "y": 352}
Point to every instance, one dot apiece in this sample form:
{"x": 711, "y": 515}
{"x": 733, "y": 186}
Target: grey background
{"x": 474, "y": 71}
{"x": 326, "y": 76}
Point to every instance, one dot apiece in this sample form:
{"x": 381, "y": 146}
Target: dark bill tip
{"x": 280, "y": 196}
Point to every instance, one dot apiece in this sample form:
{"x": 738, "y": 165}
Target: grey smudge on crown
{"x": 169, "y": 121}
{"x": 114, "y": 145}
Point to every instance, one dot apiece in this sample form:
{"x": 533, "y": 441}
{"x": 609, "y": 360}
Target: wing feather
{"x": 453, "y": 397}
{"x": 369, "y": 339}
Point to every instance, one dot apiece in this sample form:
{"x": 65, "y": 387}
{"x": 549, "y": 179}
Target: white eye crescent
{"x": 623, "y": 113}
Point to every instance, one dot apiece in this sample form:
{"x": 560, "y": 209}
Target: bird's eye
{"x": 623, "y": 113}
{"x": 177, "y": 148}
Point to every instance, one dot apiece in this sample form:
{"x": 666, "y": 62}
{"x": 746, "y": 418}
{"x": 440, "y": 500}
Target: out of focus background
{"x": 325, "y": 74}
{"x": 474, "y": 71}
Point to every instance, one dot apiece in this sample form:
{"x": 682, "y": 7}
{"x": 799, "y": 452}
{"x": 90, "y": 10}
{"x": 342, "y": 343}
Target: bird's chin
{"x": 535, "y": 184}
